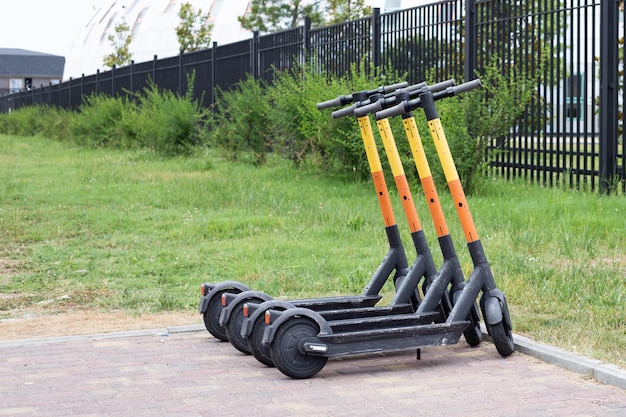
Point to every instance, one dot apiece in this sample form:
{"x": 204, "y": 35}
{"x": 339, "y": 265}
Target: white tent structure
{"x": 153, "y": 24}
{"x": 153, "y": 27}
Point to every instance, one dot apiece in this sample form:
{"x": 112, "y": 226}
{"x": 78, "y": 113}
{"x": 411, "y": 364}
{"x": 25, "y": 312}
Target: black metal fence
{"x": 570, "y": 134}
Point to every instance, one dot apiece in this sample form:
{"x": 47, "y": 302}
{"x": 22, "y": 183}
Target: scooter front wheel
{"x": 503, "y": 339}
{"x": 285, "y": 349}
{"x": 473, "y": 335}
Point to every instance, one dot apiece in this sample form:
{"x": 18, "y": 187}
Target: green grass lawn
{"x": 108, "y": 230}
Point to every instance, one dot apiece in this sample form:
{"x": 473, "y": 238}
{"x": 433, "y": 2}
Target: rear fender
{"x": 216, "y": 290}
{"x": 257, "y": 311}
{"x": 270, "y": 330}
{"x": 227, "y": 311}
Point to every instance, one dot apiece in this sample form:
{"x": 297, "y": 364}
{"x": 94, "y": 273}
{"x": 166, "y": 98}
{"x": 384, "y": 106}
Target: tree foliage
{"x": 274, "y": 15}
{"x": 194, "y": 30}
{"x": 120, "y": 40}
{"x": 346, "y": 10}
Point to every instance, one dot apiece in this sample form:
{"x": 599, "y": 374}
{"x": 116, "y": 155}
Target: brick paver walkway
{"x": 192, "y": 374}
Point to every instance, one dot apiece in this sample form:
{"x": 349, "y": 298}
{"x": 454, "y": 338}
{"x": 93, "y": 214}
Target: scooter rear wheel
{"x": 233, "y": 327}
{"x": 502, "y": 338}
{"x": 285, "y": 349}
{"x": 260, "y": 352}
{"x": 211, "y": 317}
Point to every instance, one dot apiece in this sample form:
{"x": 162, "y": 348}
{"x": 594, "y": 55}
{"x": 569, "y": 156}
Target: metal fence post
{"x": 213, "y": 68}
{"x": 306, "y": 41}
{"x": 132, "y": 75}
{"x": 470, "y": 40}
{"x": 253, "y": 55}
{"x": 154, "y": 65}
{"x": 376, "y": 41}
{"x": 113, "y": 81}
{"x": 608, "y": 93}
{"x": 180, "y": 72}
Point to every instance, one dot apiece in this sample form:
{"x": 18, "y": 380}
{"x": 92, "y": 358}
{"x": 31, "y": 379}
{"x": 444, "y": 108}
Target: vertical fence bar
{"x": 622, "y": 172}
{"x": 376, "y": 41}
{"x": 213, "y": 68}
{"x": 254, "y": 55}
{"x": 471, "y": 41}
{"x": 608, "y": 93}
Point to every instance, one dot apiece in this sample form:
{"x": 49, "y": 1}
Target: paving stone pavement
{"x": 190, "y": 373}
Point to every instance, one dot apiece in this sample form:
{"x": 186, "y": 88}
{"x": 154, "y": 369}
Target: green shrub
{"x": 304, "y": 133}
{"x": 490, "y": 113}
{"x": 32, "y": 120}
{"x": 164, "y": 121}
{"x": 240, "y": 124}
{"x": 97, "y": 122}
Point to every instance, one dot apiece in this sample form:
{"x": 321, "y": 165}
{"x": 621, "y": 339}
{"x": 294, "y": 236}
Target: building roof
{"x": 23, "y": 63}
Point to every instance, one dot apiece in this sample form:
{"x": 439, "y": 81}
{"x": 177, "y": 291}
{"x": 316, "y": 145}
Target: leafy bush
{"x": 164, "y": 121}
{"x": 32, "y": 120}
{"x": 304, "y": 133}
{"x": 491, "y": 113}
{"x": 96, "y": 124}
{"x": 240, "y": 124}
{"x": 159, "y": 120}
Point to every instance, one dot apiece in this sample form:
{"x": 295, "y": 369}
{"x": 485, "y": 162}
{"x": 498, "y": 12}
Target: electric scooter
{"x": 493, "y": 301}
{"x": 301, "y": 341}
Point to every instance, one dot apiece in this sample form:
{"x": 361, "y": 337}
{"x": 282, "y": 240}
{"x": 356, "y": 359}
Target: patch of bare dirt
{"x": 72, "y": 323}
{"x": 64, "y": 317}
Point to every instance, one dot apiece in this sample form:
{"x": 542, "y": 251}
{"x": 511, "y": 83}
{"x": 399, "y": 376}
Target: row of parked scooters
{"x": 432, "y": 306}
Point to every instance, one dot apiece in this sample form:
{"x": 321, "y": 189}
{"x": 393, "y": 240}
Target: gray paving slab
{"x": 184, "y": 371}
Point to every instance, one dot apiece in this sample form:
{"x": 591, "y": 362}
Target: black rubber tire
{"x": 473, "y": 335}
{"x": 233, "y": 327}
{"x": 212, "y": 317}
{"x": 260, "y": 352}
{"x": 286, "y": 354}
{"x": 503, "y": 339}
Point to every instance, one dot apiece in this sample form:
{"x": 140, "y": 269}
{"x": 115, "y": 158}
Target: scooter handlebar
{"x": 343, "y": 100}
{"x": 346, "y": 111}
{"x": 335, "y": 102}
{"x": 442, "y": 85}
{"x": 391, "y": 111}
{"x": 468, "y": 86}
{"x": 369, "y": 108}
{"x": 393, "y": 87}
{"x": 445, "y": 90}
{"x": 388, "y": 101}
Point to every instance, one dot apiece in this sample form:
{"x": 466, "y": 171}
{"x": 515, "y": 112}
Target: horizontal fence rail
{"x": 570, "y": 134}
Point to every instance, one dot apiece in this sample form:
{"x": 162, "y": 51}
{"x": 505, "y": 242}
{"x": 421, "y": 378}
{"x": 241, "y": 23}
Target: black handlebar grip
{"x": 346, "y": 111}
{"x": 369, "y": 108}
{"x": 468, "y": 86}
{"x": 415, "y": 87}
{"x": 335, "y": 102}
{"x": 391, "y": 111}
{"x": 394, "y": 87}
{"x": 442, "y": 85}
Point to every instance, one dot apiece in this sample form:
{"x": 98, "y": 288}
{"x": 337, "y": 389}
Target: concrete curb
{"x": 603, "y": 372}
{"x": 102, "y": 336}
